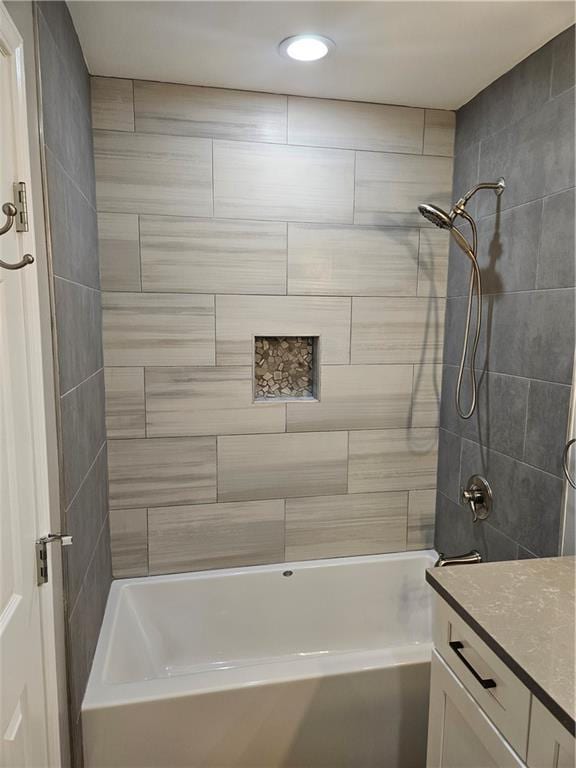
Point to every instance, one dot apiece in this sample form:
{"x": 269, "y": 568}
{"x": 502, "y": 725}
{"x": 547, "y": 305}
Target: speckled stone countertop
{"x": 525, "y": 611}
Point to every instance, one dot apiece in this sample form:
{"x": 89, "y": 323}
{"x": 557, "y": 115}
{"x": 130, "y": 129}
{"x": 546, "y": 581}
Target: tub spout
{"x": 467, "y": 559}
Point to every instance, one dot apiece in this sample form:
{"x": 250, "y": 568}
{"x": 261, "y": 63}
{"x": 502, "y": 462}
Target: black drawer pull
{"x": 457, "y": 646}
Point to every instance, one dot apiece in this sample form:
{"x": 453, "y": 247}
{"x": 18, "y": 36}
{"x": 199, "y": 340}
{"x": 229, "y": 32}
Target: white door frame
{"x": 41, "y": 399}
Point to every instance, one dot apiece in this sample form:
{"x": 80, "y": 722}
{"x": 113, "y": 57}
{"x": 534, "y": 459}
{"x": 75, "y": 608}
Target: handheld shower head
{"x": 444, "y": 220}
{"x": 436, "y": 215}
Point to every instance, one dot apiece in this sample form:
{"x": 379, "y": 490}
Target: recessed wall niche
{"x": 286, "y": 368}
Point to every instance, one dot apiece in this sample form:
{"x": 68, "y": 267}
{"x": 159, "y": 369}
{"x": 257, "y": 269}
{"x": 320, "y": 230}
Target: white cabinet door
{"x": 550, "y": 745}
{"x": 459, "y": 733}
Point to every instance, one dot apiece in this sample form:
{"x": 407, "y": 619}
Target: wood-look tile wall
{"x": 224, "y": 215}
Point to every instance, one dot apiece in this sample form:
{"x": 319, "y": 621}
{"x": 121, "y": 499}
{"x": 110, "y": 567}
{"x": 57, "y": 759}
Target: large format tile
{"x": 129, "y": 542}
{"x": 189, "y": 110}
{"x": 426, "y": 392}
{"x": 207, "y": 401}
{"x": 78, "y": 329}
{"x": 84, "y": 519}
{"x": 465, "y": 177}
{"x": 66, "y": 111}
{"x": 397, "y": 330}
{"x": 270, "y": 181}
{"x": 541, "y": 324}
{"x": 144, "y": 173}
{"x": 556, "y": 260}
{"x": 158, "y": 329}
{"x": 356, "y": 397}
{"x": 433, "y": 262}
{"x": 392, "y": 460}
{"x": 466, "y": 173}
{"x": 499, "y": 421}
{"x": 163, "y": 471}
{"x": 125, "y": 407}
{"x": 449, "y": 418}
{"x": 454, "y": 324}
{"x": 421, "y": 514}
{"x": 448, "y": 479}
{"x": 345, "y": 526}
{"x": 563, "y": 49}
{"x": 455, "y": 533}
{"x": 212, "y": 256}
{"x": 389, "y": 187}
{"x": 275, "y": 466}
{"x": 500, "y": 417}
{"x": 112, "y": 104}
{"x": 59, "y": 21}
{"x": 546, "y": 425}
{"x": 86, "y": 617}
{"x": 439, "y": 128}
{"x": 527, "y": 502}
{"x": 508, "y": 249}
{"x": 119, "y": 245}
{"x": 535, "y": 155}
{"x": 518, "y": 93}
{"x": 73, "y": 230}
{"x": 83, "y": 432}
{"x": 354, "y": 125}
{"x": 240, "y": 318}
{"x": 216, "y": 536}
{"x": 348, "y": 260}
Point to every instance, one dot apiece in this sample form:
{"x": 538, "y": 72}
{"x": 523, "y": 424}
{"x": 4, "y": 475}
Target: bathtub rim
{"x": 100, "y": 694}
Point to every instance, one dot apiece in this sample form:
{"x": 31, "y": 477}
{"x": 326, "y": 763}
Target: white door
{"x": 24, "y": 691}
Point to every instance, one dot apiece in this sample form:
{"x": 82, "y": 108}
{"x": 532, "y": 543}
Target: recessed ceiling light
{"x": 305, "y": 47}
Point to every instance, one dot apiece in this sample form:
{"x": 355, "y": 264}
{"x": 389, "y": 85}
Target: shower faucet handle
{"x": 478, "y": 495}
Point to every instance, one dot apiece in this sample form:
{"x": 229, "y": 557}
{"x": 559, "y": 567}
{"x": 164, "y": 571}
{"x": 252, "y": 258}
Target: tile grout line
{"x": 140, "y": 253}
{"x": 215, "y": 297}
{"x": 88, "y": 472}
{"x": 81, "y": 383}
{"x": 70, "y": 179}
{"x": 286, "y": 291}
{"x": 425, "y": 111}
{"x": 525, "y": 436}
{"x": 85, "y": 575}
{"x": 213, "y": 184}
{"x": 501, "y": 453}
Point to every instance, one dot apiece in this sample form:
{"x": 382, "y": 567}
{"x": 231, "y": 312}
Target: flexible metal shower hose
{"x": 475, "y": 282}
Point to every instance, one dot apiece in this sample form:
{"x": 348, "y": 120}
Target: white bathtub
{"x": 250, "y": 668}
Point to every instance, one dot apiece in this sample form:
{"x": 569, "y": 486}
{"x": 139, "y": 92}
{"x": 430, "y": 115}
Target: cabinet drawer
{"x": 497, "y": 690}
{"x": 550, "y": 745}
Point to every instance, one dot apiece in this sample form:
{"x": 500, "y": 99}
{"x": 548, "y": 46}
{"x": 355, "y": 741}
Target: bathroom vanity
{"x": 502, "y": 689}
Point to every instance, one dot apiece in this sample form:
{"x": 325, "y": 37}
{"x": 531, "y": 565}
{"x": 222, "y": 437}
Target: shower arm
{"x": 497, "y": 186}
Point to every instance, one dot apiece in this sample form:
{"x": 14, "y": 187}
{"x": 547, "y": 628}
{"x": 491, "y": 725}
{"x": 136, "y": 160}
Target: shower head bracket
{"x": 501, "y": 186}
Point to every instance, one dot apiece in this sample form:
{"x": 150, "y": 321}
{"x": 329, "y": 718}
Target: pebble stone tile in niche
{"x": 284, "y": 367}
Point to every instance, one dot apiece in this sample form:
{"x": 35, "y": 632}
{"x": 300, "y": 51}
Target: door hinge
{"x": 42, "y": 554}
{"x": 21, "y": 205}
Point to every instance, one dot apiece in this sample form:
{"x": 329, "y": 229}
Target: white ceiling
{"x": 416, "y": 53}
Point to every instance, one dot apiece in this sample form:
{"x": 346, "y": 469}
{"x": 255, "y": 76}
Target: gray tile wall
{"x": 70, "y": 188}
{"x": 520, "y": 127}
{"x": 225, "y": 215}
